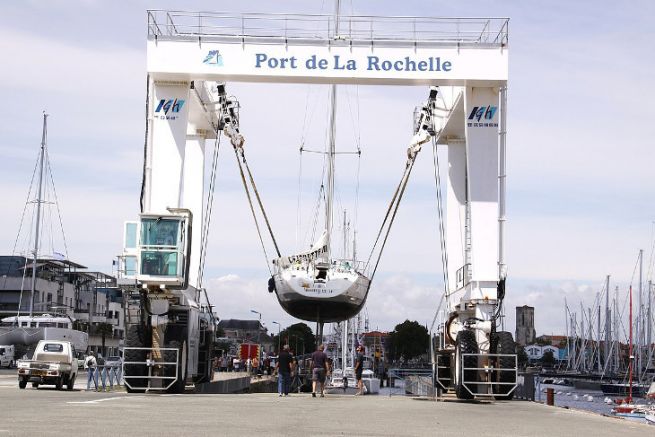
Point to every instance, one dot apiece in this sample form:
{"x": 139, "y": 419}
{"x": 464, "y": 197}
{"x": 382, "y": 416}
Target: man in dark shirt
{"x": 320, "y": 368}
{"x": 359, "y": 367}
{"x": 284, "y": 366}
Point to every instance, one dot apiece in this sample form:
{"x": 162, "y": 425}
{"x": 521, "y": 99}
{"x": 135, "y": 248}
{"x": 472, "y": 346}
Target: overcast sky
{"x": 580, "y": 149}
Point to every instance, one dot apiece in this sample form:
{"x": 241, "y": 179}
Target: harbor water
{"x": 585, "y": 400}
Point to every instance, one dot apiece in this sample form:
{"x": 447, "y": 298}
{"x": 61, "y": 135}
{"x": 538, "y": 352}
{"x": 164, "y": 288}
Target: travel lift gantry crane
{"x": 470, "y": 355}
{"x": 163, "y": 257}
{"x": 169, "y": 335}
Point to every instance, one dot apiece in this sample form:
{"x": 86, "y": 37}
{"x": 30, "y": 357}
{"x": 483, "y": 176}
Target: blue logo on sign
{"x": 479, "y": 111}
{"x": 214, "y": 57}
{"x": 172, "y": 105}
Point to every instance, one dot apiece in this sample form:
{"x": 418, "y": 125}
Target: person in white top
{"x": 91, "y": 366}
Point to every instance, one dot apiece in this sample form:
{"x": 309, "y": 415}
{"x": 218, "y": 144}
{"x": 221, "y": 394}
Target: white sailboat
{"x": 29, "y": 330}
{"x": 312, "y": 285}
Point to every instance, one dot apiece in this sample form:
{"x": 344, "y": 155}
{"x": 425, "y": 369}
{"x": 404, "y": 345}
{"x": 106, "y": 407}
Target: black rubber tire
{"x": 503, "y": 343}
{"x": 60, "y": 383}
{"x": 35, "y": 385}
{"x": 169, "y": 356}
{"x": 136, "y": 336}
{"x": 22, "y": 384}
{"x": 70, "y": 383}
{"x": 466, "y": 344}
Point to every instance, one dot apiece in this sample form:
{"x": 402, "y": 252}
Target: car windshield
{"x": 53, "y": 347}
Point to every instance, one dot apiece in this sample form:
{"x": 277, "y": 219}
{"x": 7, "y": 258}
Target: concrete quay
{"x": 45, "y": 411}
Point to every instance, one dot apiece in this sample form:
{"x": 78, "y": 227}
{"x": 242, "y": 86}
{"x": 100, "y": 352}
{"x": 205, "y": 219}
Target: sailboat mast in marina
{"x": 312, "y": 285}
{"x": 39, "y": 201}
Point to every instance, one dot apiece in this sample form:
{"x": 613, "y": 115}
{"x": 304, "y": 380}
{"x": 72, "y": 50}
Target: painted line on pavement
{"x": 96, "y": 401}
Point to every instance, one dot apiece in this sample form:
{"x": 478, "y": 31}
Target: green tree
{"x": 548, "y": 359}
{"x": 104, "y": 329}
{"x": 299, "y": 337}
{"x": 408, "y": 340}
{"x": 521, "y": 355}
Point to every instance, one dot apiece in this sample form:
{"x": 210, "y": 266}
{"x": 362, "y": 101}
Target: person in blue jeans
{"x": 284, "y": 366}
{"x": 91, "y": 366}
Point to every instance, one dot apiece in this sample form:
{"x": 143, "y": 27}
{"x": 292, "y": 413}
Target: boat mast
{"x": 649, "y": 324}
{"x": 598, "y": 362}
{"x": 608, "y": 335}
{"x": 331, "y": 152}
{"x": 639, "y": 325}
{"x": 630, "y": 353}
{"x": 38, "y": 211}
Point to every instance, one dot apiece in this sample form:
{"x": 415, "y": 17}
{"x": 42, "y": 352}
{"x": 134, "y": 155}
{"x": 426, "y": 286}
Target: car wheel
{"x": 35, "y": 385}
{"x": 70, "y": 383}
{"x": 22, "y": 384}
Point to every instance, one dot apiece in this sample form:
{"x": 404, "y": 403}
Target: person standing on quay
{"x": 284, "y": 364}
{"x": 320, "y": 369}
{"x": 359, "y": 367}
{"x": 91, "y": 365}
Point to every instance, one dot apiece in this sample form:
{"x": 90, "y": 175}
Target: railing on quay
{"x": 159, "y": 375}
{"x": 493, "y": 376}
{"x": 322, "y": 27}
{"x": 107, "y": 376}
{"x": 413, "y": 381}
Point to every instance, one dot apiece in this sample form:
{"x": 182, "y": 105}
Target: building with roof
{"x": 246, "y": 331}
{"x": 91, "y": 299}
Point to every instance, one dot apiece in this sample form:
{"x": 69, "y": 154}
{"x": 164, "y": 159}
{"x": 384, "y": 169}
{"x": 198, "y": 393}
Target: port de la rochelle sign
{"x": 323, "y": 64}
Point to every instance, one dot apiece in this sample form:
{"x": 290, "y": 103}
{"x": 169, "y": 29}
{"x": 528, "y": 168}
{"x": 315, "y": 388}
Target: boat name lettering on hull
{"x": 319, "y": 290}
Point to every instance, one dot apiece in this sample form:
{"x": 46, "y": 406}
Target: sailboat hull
{"x": 31, "y": 336}
{"x": 329, "y": 301}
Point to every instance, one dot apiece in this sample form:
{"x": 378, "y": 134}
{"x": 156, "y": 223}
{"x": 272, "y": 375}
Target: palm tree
{"x": 104, "y": 329}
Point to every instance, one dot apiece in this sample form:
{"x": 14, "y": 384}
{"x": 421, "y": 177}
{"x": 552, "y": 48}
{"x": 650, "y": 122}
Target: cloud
{"x": 579, "y": 151}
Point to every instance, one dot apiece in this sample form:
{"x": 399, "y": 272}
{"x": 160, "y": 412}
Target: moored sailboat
{"x": 28, "y": 329}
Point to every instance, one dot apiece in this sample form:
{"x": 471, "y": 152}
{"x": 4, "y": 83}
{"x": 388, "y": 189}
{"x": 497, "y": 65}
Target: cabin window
{"x": 130, "y": 265}
{"x": 159, "y": 232}
{"x": 130, "y": 235}
{"x": 47, "y": 325}
{"x": 33, "y": 324}
{"x": 53, "y": 347}
{"x": 159, "y": 263}
{"x": 61, "y": 325}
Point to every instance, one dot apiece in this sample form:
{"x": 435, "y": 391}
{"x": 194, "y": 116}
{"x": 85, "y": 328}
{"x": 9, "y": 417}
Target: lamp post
{"x": 278, "y": 337}
{"x": 259, "y": 331}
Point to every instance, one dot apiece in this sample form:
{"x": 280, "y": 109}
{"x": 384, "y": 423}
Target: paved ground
{"x": 46, "y": 411}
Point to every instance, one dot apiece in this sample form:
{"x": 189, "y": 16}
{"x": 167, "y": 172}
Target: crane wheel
{"x": 135, "y": 336}
{"x": 504, "y": 344}
{"x": 169, "y": 357}
{"x": 465, "y": 344}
